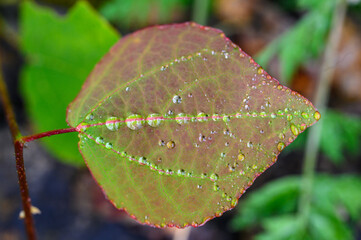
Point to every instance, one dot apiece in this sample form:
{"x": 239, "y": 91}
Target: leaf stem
{"x": 46, "y": 134}
{"x": 18, "y": 145}
{"x": 200, "y": 11}
{"x": 321, "y": 98}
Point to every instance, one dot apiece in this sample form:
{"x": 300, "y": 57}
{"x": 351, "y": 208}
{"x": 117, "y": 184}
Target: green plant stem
{"x": 19, "y": 141}
{"x": 321, "y": 99}
{"x": 200, "y": 11}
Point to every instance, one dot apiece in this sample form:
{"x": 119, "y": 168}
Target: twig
{"x": 200, "y": 11}
{"x": 18, "y": 145}
{"x": 321, "y": 98}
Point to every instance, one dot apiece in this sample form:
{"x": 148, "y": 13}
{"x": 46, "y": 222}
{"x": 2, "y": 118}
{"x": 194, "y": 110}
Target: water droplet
{"x": 161, "y": 143}
{"x": 294, "y": 130}
{"x": 181, "y": 172}
{"x": 168, "y": 171}
{"x": 177, "y": 99}
{"x": 99, "y": 140}
{"x": 135, "y": 122}
{"x": 240, "y": 157}
{"x": 123, "y": 154}
{"x": 113, "y": 123}
{"x": 234, "y": 202}
{"x": 281, "y": 136}
{"x": 170, "y": 113}
{"x": 199, "y": 186}
{"x": 216, "y": 187}
{"x": 231, "y": 168}
{"x": 273, "y": 115}
{"x": 190, "y": 95}
{"x": 246, "y": 107}
{"x": 170, "y": 144}
{"x": 201, "y": 138}
{"x": 250, "y": 144}
{"x": 154, "y": 119}
{"x": 281, "y": 146}
{"x": 182, "y": 118}
{"x": 303, "y": 127}
{"x": 260, "y": 70}
{"x": 289, "y": 117}
{"x": 223, "y": 154}
{"x": 226, "y": 144}
{"x": 202, "y": 117}
{"x": 317, "y": 115}
{"x": 90, "y": 117}
{"x": 142, "y": 160}
{"x": 226, "y": 118}
{"x": 261, "y": 131}
{"x": 127, "y": 89}
{"x": 216, "y": 117}
{"x": 108, "y": 145}
{"x": 305, "y": 115}
{"x": 241, "y": 173}
{"x": 214, "y": 177}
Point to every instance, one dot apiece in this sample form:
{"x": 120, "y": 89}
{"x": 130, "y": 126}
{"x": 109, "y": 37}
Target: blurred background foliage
{"x": 50, "y": 46}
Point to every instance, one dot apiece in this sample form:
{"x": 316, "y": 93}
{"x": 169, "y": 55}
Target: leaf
{"x": 176, "y": 122}
{"x": 334, "y": 199}
{"x": 60, "y": 52}
{"x": 287, "y": 227}
{"x": 277, "y": 198}
{"x": 291, "y": 45}
{"x": 140, "y": 13}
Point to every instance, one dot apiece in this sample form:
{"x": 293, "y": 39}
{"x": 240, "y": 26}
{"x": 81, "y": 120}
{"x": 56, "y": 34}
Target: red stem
{"x": 18, "y": 145}
{"x": 47, "y": 134}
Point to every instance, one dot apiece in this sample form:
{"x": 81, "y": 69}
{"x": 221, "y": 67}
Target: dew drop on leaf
{"x": 294, "y": 130}
{"x": 214, "y": 177}
{"x": 280, "y": 146}
{"x": 317, "y": 115}
{"x": 170, "y": 144}
{"x": 113, "y": 123}
{"x": 177, "y": 99}
{"x": 135, "y": 121}
{"x": 108, "y": 145}
{"x": 154, "y": 119}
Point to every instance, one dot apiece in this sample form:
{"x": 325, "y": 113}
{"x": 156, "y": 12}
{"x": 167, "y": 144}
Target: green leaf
{"x": 60, "y": 53}
{"x": 176, "y": 122}
{"x": 277, "y": 198}
{"x": 340, "y": 132}
{"x": 140, "y": 13}
{"x": 299, "y": 44}
{"x": 334, "y": 199}
{"x": 287, "y": 227}
{"x": 324, "y": 226}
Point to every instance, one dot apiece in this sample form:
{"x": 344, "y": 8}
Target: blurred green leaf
{"x": 340, "y": 132}
{"x": 324, "y": 226}
{"x": 334, "y": 198}
{"x": 285, "y": 227}
{"x": 140, "y": 13}
{"x": 302, "y": 42}
{"x": 60, "y": 53}
{"x": 280, "y": 197}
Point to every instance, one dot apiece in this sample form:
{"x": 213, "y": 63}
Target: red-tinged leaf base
{"x": 176, "y": 122}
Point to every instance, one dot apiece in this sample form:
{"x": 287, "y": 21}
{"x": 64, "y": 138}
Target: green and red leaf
{"x": 176, "y": 122}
